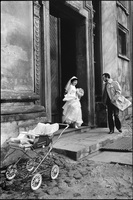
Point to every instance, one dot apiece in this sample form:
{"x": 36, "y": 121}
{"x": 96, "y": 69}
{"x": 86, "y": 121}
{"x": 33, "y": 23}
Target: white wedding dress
{"x": 72, "y": 108}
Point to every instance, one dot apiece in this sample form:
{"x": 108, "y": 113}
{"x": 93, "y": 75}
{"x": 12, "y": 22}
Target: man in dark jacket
{"x": 111, "y": 92}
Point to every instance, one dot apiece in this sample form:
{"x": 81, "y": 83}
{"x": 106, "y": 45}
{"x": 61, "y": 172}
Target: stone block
{"x": 93, "y": 148}
{"x": 8, "y": 129}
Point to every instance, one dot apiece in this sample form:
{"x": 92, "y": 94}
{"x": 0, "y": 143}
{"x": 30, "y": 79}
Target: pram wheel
{"x": 36, "y": 181}
{"x": 30, "y": 165}
{"x": 11, "y": 172}
{"x": 54, "y": 172}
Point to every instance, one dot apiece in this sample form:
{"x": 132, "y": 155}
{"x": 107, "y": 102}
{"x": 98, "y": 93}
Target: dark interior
{"x": 67, "y": 40}
{"x": 68, "y": 51}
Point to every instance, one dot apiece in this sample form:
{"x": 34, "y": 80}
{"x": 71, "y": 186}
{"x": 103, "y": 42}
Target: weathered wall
{"x": 123, "y": 77}
{"x": 109, "y": 37}
{"x": 16, "y": 45}
{"x": 19, "y": 102}
{"x": 123, "y": 65}
{"x": 118, "y": 67}
{"x": 109, "y": 51}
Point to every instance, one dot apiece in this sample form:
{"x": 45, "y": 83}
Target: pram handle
{"x": 51, "y": 146}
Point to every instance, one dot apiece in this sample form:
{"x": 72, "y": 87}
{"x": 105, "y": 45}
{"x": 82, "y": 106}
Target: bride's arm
{"x": 71, "y": 95}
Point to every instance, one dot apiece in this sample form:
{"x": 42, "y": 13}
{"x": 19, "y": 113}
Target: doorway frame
{"x": 88, "y": 101}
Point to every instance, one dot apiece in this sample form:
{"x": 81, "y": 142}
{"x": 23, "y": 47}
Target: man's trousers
{"x": 113, "y": 117}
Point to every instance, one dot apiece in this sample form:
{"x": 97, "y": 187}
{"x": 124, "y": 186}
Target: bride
{"x": 72, "y": 113}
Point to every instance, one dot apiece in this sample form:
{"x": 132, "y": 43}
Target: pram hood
{"x": 44, "y": 129}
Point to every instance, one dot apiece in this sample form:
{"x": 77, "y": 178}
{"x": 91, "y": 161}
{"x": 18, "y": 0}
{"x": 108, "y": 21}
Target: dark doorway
{"x": 62, "y": 57}
{"x": 68, "y": 51}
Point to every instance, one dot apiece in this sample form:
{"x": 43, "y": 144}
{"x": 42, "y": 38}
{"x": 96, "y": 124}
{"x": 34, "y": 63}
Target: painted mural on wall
{"x": 16, "y": 45}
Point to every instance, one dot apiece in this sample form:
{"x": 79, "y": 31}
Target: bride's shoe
{"x": 76, "y": 126}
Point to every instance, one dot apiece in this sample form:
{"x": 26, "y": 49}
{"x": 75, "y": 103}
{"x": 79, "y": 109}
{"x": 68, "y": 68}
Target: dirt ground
{"x": 84, "y": 179}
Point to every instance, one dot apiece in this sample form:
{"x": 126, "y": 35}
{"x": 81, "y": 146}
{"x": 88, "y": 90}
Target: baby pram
{"x": 41, "y": 137}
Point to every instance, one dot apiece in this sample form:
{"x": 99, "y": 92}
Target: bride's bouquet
{"x": 80, "y": 92}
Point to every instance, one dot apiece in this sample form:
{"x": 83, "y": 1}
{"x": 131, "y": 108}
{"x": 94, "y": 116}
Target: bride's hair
{"x": 69, "y": 82}
{"x": 74, "y": 79}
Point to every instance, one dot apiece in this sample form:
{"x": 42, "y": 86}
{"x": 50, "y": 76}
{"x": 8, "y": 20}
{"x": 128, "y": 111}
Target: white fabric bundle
{"x": 44, "y": 129}
{"x": 22, "y": 139}
{"x": 40, "y": 129}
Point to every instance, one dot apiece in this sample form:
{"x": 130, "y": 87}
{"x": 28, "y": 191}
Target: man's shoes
{"x": 110, "y": 132}
{"x": 120, "y": 130}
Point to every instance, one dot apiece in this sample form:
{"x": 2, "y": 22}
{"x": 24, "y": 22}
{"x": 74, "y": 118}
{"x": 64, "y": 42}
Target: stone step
{"x": 68, "y": 150}
{"x": 79, "y": 143}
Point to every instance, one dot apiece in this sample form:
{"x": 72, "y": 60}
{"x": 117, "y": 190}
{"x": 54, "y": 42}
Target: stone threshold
{"x": 71, "y": 130}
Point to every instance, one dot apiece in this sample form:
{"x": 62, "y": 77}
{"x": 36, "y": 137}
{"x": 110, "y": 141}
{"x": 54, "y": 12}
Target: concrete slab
{"x": 123, "y": 144}
{"x": 113, "y": 157}
{"x": 79, "y": 144}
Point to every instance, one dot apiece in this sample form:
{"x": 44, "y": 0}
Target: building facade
{"x": 45, "y": 43}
